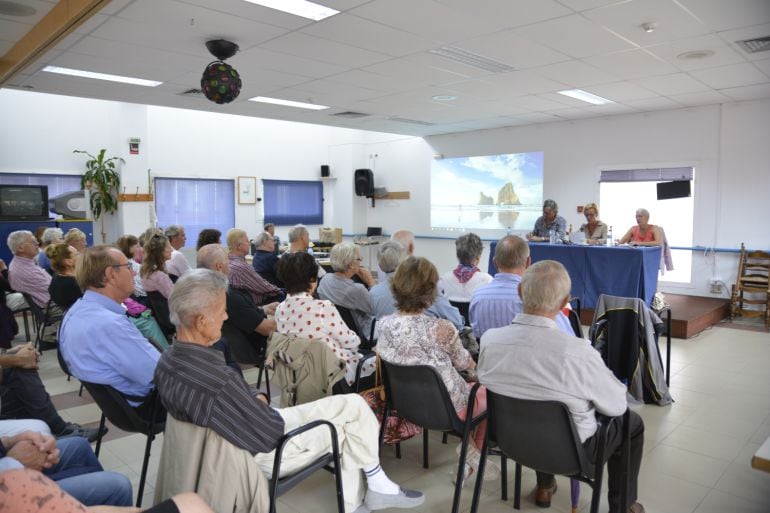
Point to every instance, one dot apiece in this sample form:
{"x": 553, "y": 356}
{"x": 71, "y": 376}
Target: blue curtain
{"x": 57, "y": 184}
{"x": 293, "y": 202}
{"x": 195, "y": 204}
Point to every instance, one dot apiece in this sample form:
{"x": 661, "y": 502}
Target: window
{"x": 57, "y": 184}
{"x": 195, "y": 204}
{"x": 622, "y": 192}
{"x": 291, "y": 202}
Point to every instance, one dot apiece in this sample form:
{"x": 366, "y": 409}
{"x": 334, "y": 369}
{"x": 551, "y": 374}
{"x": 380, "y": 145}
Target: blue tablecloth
{"x": 595, "y": 270}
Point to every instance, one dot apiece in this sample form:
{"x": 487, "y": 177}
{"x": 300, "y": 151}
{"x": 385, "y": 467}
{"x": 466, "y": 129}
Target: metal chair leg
{"x": 425, "y": 463}
{"x": 145, "y": 464}
{"x": 101, "y": 431}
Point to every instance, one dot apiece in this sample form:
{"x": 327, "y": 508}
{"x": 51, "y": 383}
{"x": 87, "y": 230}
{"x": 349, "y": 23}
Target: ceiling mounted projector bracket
{"x": 221, "y": 49}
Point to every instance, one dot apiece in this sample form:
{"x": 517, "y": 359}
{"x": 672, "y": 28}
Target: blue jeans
{"x": 80, "y": 474}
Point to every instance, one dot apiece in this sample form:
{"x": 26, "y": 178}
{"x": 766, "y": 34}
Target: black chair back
{"x": 574, "y": 322}
{"x": 350, "y": 321}
{"x": 160, "y": 311}
{"x": 464, "y": 309}
{"x": 537, "y": 434}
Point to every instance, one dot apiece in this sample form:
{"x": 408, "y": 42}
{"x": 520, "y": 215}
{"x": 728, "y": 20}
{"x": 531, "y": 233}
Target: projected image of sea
{"x": 493, "y": 192}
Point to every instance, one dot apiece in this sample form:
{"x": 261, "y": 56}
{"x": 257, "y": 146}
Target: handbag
{"x": 398, "y": 428}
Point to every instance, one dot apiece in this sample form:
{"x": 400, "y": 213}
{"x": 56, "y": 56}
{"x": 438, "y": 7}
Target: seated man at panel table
{"x": 533, "y": 359}
{"x": 243, "y": 276}
{"x": 197, "y": 387}
{"x": 264, "y": 260}
{"x": 550, "y": 220}
{"x": 390, "y": 255}
{"x": 496, "y": 304}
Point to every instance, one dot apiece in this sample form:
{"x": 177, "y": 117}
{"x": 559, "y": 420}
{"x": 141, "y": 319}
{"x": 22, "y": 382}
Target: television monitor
{"x": 24, "y": 202}
{"x": 71, "y": 205}
{"x": 673, "y": 190}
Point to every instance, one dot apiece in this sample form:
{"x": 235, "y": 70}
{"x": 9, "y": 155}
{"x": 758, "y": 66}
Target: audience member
{"x": 406, "y": 238}
{"x": 134, "y": 252}
{"x": 97, "y": 340}
{"x": 76, "y": 238}
{"x": 196, "y": 386}
{"x": 270, "y": 228}
{"x": 644, "y": 233}
{"x": 23, "y": 275}
{"x": 39, "y": 238}
{"x": 550, "y": 220}
{"x": 460, "y": 282}
{"x": 243, "y": 276}
{"x": 154, "y": 269}
{"x": 70, "y": 462}
{"x": 264, "y": 260}
{"x": 299, "y": 241}
{"x": 64, "y": 288}
{"x": 412, "y": 338}
{"x": 303, "y": 316}
{"x": 390, "y": 255}
{"x": 178, "y": 264}
{"x": 595, "y": 231}
{"x": 23, "y": 395}
{"x": 533, "y": 359}
{"x": 208, "y": 236}
{"x": 340, "y": 289}
{"x": 13, "y": 300}
{"x": 49, "y": 236}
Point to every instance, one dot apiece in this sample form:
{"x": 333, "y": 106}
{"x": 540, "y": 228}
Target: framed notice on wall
{"x": 247, "y": 190}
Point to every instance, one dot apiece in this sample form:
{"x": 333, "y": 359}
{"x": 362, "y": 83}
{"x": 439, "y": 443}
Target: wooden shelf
{"x": 396, "y": 195}
{"x": 135, "y": 197}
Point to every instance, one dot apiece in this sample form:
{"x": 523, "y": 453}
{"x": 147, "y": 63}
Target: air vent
{"x": 350, "y": 114}
{"x": 191, "y": 92}
{"x": 475, "y": 60}
{"x": 756, "y": 45}
{"x": 411, "y": 121}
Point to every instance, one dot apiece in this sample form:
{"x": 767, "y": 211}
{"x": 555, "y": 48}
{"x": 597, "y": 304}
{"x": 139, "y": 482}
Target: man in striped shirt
{"x": 196, "y": 386}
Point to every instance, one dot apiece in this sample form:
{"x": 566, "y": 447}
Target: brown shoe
{"x": 543, "y": 495}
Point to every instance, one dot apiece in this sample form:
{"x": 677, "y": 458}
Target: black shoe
{"x": 72, "y": 429}
{"x": 46, "y": 345}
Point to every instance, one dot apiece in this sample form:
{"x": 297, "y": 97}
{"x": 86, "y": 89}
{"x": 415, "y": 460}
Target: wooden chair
{"x": 753, "y": 271}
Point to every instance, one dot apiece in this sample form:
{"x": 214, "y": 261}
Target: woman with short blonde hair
{"x": 595, "y": 231}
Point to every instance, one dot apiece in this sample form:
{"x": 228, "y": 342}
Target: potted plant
{"x": 102, "y": 181}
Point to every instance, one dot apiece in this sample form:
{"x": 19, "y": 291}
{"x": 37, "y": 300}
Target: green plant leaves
{"x": 102, "y": 181}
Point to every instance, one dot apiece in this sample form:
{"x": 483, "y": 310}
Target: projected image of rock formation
{"x": 507, "y": 196}
{"x": 486, "y": 200}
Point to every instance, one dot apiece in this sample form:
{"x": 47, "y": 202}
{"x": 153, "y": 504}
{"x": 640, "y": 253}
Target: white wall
{"x": 726, "y": 144}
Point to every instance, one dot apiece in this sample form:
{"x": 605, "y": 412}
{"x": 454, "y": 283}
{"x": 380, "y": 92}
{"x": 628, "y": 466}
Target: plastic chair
{"x": 464, "y": 308}
{"x": 42, "y": 317}
{"x": 541, "y": 435}
{"x": 115, "y": 407}
{"x": 367, "y": 342}
{"x": 65, "y": 368}
{"x": 160, "y": 311}
{"x": 419, "y": 395}
{"x": 246, "y": 351}
{"x": 329, "y": 461}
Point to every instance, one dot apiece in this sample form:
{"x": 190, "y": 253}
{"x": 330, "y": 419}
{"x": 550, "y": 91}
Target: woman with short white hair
{"x": 644, "y": 233}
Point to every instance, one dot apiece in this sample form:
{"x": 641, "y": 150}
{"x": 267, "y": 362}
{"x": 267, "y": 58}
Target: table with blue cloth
{"x": 618, "y": 271}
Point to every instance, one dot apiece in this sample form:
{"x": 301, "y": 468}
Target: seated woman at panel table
{"x": 460, "y": 283}
{"x": 340, "y": 289}
{"x": 410, "y": 337}
{"x": 595, "y": 231}
{"x": 157, "y": 251}
{"x": 301, "y": 315}
{"x": 64, "y": 289}
{"x": 644, "y": 233}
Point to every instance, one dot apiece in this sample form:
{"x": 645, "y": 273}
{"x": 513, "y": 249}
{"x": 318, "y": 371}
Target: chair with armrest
{"x": 419, "y": 395}
{"x": 541, "y": 435}
{"x": 115, "y": 407}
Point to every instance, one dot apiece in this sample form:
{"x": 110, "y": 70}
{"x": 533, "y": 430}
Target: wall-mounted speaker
{"x": 324, "y": 171}
{"x": 364, "y": 182}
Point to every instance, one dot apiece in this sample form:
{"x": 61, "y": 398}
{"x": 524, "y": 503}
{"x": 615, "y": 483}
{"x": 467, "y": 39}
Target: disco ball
{"x": 220, "y": 82}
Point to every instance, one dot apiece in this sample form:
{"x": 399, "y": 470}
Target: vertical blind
{"x": 57, "y": 184}
{"x": 195, "y": 204}
{"x": 293, "y": 202}
{"x": 656, "y": 174}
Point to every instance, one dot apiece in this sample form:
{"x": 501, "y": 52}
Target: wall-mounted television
{"x": 673, "y": 190}
{"x": 24, "y": 202}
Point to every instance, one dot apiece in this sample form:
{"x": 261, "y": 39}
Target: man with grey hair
{"x": 197, "y": 387}
{"x": 299, "y": 239}
{"x": 264, "y": 260}
{"x": 23, "y": 274}
{"x": 390, "y": 255}
{"x": 549, "y": 221}
{"x": 243, "y": 276}
{"x": 406, "y": 239}
{"x": 50, "y": 236}
{"x": 178, "y": 264}
{"x": 533, "y": 359}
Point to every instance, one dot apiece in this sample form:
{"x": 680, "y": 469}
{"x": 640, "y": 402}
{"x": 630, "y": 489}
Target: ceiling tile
{"x": 575, "y": 74}
{"x": 582, "y": 5}
{"x": 659, "y": 103}
{"x": 538, "y": 117}
{"x": 752, "y": 92}
{"x": 414, "y": 73}
{"x": 260, "y": 58}
{"x": 723, "y": 54}
{"x": 720, "y": 15}
{"x": 522, "y": 82}
{"x": 575, "y": 36}
{"x": 509, "y": 13}
{"x": 311, "y": 47}
{"x": 764, "y": 66}
{"x": 731, "y": 36}
{"x": 621, "y": 91}
{"x": 571, "y": 113}
{"x": 701, "y": 98}
{"x": 631, "y": 64}
{"x": 41, "y": 8}
{"x": 676, "y": 83}
{"x": 508, "y": 48}
{"x": 735, "y": 75}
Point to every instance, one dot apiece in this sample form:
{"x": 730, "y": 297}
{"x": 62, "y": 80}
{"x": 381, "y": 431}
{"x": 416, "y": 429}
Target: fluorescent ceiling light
{"x": 101, "y": 76}
{"x": 585, "y": 96}
{"x": 302, "y": 8}
{"x": 288, "y": 103}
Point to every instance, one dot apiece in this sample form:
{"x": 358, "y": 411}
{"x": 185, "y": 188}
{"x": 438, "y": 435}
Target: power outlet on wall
{"x": 715, "y": 286}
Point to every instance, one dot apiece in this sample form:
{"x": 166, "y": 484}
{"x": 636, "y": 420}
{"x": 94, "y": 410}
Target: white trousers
{"x": 13, "y": 427}
{"x": 357, "y": 434}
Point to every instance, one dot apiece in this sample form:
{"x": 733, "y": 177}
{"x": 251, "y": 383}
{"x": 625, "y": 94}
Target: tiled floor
{"x": 697, "y": 451}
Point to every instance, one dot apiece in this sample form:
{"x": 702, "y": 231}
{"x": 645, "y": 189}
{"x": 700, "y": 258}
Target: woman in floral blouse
{"x": 302, "y": 315}
{"x": 409, "y": 337}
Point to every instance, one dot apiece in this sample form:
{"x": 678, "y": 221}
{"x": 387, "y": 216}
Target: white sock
{"x": 378, "y": 482}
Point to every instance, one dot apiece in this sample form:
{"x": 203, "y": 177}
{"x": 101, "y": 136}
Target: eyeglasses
{"x": 126, "y": 265}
